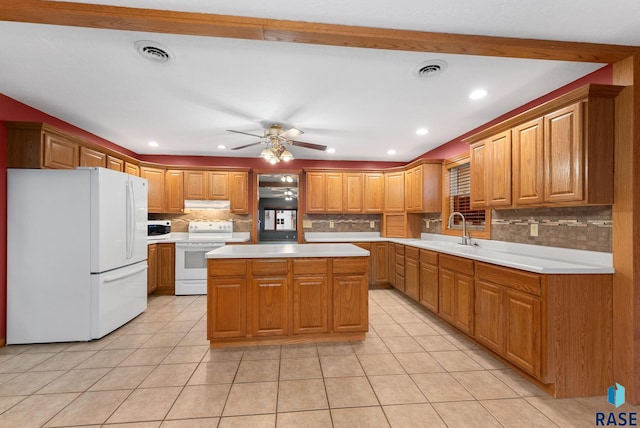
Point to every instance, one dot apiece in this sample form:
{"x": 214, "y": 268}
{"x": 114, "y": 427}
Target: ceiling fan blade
{"x": 245, "y": 133}
{"x": 292, "y": 133}
{"x": 308, "y": 145}
{"x": 246, "y": 145}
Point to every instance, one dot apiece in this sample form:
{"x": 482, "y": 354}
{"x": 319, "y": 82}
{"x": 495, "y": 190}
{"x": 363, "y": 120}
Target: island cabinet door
{"x": 350, "y": 304}
{"x": 489, "y": 319}
{"x": 310, "y": 304}
{"x": 227, "y": 316}
{"x": 269, "y": 315}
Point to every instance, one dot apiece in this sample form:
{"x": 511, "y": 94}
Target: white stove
{"x": 213, "y": 231}
{"x": 191, "y": 262}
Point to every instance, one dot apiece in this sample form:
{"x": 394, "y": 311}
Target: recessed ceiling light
{"x": 478, "y": 94}
{"x": 330, "y": 150}
{"x": 422, "y": 131}
{"x": 391, "y": 152}
{"x": 153, "y": 144}
{"x": 222, "y": 146}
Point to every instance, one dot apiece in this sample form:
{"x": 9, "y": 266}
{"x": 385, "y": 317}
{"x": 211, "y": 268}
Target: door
{"x": 528, "y": 164}
{"x": 269, "y": 316}
{"x": 139, "y": 188}
{"x": 446, "y": 296}
{"x": 350, "y": 304}
{"x": 489, "y": 321}
{"x": 110, "y": 220}
{"x": 524, "y": 332}
{"x": 463, "y": 310}
{"x": 117, "y": 297}
{"x": 226, "y": 310}
{"x": 310, "y": 304}
{"x": 429, "y": 286}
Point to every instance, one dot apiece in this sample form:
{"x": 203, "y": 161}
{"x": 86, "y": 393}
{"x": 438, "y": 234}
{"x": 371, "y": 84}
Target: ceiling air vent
{"x": 153, "y": 51}
{"x": 430, "y": 68}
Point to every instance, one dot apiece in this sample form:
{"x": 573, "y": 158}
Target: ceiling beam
{"x": 211, "y": 25}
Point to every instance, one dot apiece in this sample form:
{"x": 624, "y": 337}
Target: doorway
{"x": 277, "y": 208}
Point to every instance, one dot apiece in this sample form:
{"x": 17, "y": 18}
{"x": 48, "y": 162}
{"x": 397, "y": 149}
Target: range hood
{"x": 206, "y": 205}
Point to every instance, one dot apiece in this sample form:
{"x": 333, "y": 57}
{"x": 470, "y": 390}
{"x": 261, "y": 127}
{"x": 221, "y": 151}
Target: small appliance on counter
{"x": 158, "y": 229}
{"x": 191, "y": 262}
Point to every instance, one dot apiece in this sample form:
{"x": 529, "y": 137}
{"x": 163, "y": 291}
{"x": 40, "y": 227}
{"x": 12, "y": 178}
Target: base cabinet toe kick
{"x": 286, "y": 300}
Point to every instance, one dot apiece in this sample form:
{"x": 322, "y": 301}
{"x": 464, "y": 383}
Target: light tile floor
{"x": 412, "y": 370}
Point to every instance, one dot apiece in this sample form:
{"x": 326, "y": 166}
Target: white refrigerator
{"x": 76, "y": 253}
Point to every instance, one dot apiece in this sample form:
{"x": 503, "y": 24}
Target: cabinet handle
{"x": 270, "y": 284}
{"x": 311, "y": 283}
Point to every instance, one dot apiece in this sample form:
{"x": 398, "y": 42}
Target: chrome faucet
{"x": 466, "y": 240}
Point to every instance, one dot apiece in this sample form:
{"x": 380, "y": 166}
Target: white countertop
{"x": 265, "y": 251}
{"x": 531, "y": 258}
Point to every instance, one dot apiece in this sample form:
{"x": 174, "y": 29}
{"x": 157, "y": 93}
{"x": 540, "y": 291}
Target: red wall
{"x": 12, "y": 110}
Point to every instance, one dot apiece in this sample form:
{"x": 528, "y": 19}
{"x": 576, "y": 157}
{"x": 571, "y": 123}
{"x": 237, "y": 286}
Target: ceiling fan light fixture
{"x": 286, "y": 156}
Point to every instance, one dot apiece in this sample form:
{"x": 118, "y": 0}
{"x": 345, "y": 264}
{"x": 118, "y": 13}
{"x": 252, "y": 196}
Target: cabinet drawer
{"x": 269, "y": 267}
{"x": 518, "y": 280}
{"x": 456, "y": 264}
{"x": 309, "y": 266}
{"x": 400, "y": 270}
{"x": 226, "y": 267}
{"x": 400, "y": 249}
{"x": 412, "y": 253}
{"x": 399, "y": 260}
{"x": 350, "y": 265}
{"x": 430, "y": 257}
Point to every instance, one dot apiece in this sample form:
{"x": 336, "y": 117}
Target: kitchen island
{"x": 286, "y": 293}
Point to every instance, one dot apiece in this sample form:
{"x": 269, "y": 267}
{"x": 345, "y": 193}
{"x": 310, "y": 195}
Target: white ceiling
{"x": 361, "y": 102}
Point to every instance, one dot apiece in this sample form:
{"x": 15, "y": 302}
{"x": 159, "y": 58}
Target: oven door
{"x": 191, "y": 262}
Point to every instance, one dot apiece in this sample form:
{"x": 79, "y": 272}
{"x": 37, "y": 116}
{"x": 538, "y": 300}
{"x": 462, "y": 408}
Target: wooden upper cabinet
{"x": 334, "y": 192}
{"x": 93, "y": 158}
{"x": 239, "y": 192}
{"x": 353, "y": 192}
{"x": 155, "y": 177}
{"x": 491, "y": 171}
{"x": 528, "y": 163}
{"x": 132, "y": 169}
{"x": 195, "y": 185}
{"x": 115, "y": 163}
{"x": 60, "y": 153}
{"x": 373, "y": 193}
{"x": 218, "y": 185}
{"x": 324, "y": 192}
{"x": 563, "y": 154}
{"x": 174, "y": 199}
{"x": 478, "y": 158}
{"x": 315, "y": 194}
{"x": 423, "y": 188}
{"x": 394, "y": 192}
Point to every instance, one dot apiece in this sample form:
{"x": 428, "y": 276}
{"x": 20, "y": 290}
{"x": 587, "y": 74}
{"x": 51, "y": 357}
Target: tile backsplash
{"x": 342, "y": 222}
{"x": 580, "y": 228}
{"x": 180, "y": 222}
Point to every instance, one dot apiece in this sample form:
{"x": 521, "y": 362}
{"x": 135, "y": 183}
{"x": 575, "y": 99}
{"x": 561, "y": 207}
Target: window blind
{"x": 459, "y": 192}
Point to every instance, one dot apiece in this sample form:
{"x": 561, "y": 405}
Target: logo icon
{"x": 615, "y": 395}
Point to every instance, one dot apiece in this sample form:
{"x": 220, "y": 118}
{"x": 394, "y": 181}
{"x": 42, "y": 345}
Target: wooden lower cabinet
{"x": 378, "y": 263}
{"x": 152, "y": 268}
{"x": 294, "y": 300}
{"x": 399, "y": 267}
{"x": 456, "y": 292}
{"x": 270, "y": 309}
{"x": 412, "y": 273}
{"x": 429, "y": 280}
{"x": 350, "y": 303}
{"x": 523, "y": 331}
{"x": 226, "y": 307}
{"x": 310, "y": 304}
{"x": 166, "y": 273}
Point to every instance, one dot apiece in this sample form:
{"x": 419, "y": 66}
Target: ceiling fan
{"x": 276, "y": 140}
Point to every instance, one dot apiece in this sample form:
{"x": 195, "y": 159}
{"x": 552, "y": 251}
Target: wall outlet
{"x": 372, "y": 224}
{"x": 331, "y": 225}
{"x": 533, "y": 231}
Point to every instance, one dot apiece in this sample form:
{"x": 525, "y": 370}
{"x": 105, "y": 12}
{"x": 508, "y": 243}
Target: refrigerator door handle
{"x": 130, "y": 219}
{"x": 114, "y": 278}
